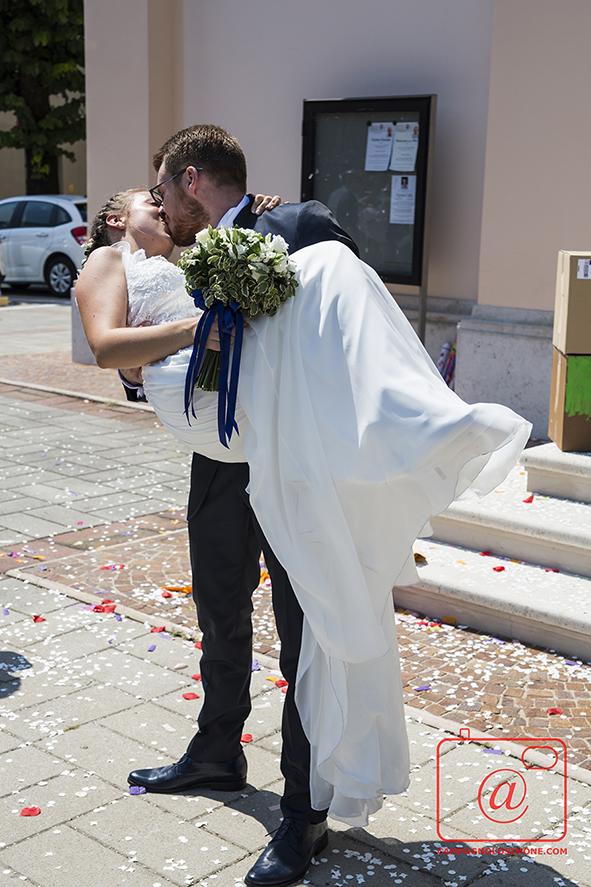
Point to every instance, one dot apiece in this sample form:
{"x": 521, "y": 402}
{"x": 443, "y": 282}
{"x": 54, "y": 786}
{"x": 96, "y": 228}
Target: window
{"x": 6, "y": 214}
{"x": 37, "y": 214}
{"x": 61, "y": 216}
{"x": 82, "y": 209}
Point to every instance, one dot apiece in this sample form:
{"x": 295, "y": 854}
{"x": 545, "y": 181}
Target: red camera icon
{"x": 520, "y": 788}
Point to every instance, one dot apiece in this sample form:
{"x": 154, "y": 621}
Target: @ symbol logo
{"x": 506, "y": 803}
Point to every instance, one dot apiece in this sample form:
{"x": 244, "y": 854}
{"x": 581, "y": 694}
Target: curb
{"x": 78, "y": 395}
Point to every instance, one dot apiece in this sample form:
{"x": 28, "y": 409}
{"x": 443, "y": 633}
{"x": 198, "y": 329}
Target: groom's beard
{"x": 191, "y": 218}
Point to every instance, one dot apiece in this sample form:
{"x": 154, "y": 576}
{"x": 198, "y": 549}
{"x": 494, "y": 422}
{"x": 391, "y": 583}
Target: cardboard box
{"x": 570, "y": 402}
{"x": 572, "y": 314}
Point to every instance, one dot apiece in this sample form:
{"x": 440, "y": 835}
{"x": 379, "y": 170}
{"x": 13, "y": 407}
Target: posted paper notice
{"x": 402, "y": 200}
{"x": 379, "y": 146}
{"x": 406, "y": 145}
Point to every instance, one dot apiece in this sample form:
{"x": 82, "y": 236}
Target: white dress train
{"x": 354, "y": 442}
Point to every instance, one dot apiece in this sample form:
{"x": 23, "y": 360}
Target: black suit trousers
{"x": 225, "y": 542}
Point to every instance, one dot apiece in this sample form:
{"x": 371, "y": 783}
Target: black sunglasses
{"x": 154, "y": 192}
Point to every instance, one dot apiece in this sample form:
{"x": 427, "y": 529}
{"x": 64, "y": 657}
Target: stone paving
{"x": 85, "y": 485}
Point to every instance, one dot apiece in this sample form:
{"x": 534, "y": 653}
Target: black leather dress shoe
{"x": 289, "y": 854}
{"x": 227, "y": 776}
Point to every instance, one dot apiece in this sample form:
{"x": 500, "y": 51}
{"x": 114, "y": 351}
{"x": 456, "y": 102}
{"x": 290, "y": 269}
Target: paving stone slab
{"x": 60, "y": 800}
{"x": 110, "y": 755}
{"x": 68, "y": 712}
{"x": 8, "y": 742}
{"x": 89, "y": 638}
{"x": 170, "y": 651}
{"x": 139, "y": 678}
{"x": 249, "y": 821}
{"x": 25, "y": 766}
{"x": 27, "y": 526}
{"x": 64, "y": 857}
{"x": 145, "y": 723}
{"x": 157, "y": 837}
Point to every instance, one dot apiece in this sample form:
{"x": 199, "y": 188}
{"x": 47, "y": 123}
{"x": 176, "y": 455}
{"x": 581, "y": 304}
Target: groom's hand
{"x": 262, "y": 203}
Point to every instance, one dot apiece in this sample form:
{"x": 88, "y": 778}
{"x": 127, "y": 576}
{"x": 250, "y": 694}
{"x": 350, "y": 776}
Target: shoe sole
{"x": 212, "y": 786}
{"x": 322, "y": 844}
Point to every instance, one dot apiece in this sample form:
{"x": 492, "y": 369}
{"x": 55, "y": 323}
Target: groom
{"x": 202, "y": 181}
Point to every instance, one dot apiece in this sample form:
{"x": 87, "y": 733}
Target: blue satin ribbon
{"x": 230, "y": 319}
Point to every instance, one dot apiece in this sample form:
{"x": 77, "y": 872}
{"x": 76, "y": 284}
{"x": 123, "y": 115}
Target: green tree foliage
{"x": 42, "y": 83}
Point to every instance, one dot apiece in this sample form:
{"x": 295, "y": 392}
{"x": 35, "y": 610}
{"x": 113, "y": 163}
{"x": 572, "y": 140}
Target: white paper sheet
{"x": 379, "y": 146}
{"x": 402, "y": 200}
{"x": 406, "y": 144}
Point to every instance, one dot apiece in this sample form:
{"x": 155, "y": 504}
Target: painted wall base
{"x": 505, "y": 356}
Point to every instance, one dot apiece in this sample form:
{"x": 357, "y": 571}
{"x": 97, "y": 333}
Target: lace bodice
{"x": 156, "y": 290}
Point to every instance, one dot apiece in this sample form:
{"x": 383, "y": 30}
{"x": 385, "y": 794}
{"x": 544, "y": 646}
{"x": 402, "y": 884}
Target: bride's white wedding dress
{"x": 354, "y": 442}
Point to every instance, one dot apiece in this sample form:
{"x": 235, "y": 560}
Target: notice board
{"x": 369, "y": 161}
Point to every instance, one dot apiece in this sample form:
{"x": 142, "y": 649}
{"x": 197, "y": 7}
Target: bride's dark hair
{"x": 102, "y": 234}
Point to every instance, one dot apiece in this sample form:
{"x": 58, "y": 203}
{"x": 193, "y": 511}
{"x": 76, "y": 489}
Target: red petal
{"x": 166, "y": 594}
{"x": 30, "y": 811}
{"x": 281, "y": 683}
{"x": 198, "y": 645}
{"x": 529, "y": 499}
{"x": 190, "y": 696}
{"x": 110, "y": 608}
{"x": 498, "y": 569}
{"x": 554, "y": 711}
{"x": 107, "y": 600}
{"x": 98, "y": 609}
{"x": 247, "y": 737}
{"x": 158, "y": 628}
{"x": 38, "y": 619}
{"x": 196, "y": 677}
{"x": 485, "y": 553}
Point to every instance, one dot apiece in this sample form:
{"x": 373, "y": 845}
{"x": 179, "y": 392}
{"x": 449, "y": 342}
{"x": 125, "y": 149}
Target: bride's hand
{"x": 133, "y": 375}
{"x": 262, "y": 203}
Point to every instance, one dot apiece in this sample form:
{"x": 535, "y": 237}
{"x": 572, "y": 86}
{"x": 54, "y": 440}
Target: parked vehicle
{"x": 42, "y": 239}
{"x": 2, "y": 266}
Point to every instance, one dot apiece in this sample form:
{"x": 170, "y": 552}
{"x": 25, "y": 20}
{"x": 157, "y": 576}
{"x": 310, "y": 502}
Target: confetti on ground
{"x": 498, "y": 569}
{"x": 113, "y": 567}
{"x": 152, "y": 648}
{"x": 420, "y": 558}
{"x": 137, "y": 790}
{"x": 246, "y": 737}
{"x": 529, "y": 500}
{"x": 554, "y": 711}
{"x": 196, "y": 677}
{"x": 255, "y": 665}
{"x": 38, "y": 619}
{"x": 6, "y": 612}
{"x": 158, "y": 628}
{"x": 166, "y": 594}
{"x": 275, "y": 807}
{"x": 190, "y": 696}
{"x": 281, "y": 683}
{"x": 426, "y": 687}
{"x": 485, "y": 553}
{"x": 30, "y": 811}
{"x": 180, "y": 665}
{"x": 169, "y": 728}
{"x": 198, "y": 645}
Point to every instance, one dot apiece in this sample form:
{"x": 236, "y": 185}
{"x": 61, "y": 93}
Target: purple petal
{"x": 152, "y": 648}
{"x": 137, "y": 790}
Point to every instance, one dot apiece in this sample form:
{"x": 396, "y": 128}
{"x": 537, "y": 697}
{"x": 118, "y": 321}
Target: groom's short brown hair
{"x": 208, "y": 146}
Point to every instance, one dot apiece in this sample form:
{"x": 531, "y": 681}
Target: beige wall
{"x": 249, "y": 65}
{"x": 133, "y": 86}
{"x": 12, "y": 167}
{"x": 537, "y": 194}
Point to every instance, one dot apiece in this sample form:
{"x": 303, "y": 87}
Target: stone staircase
{"x": 512, "y": 567}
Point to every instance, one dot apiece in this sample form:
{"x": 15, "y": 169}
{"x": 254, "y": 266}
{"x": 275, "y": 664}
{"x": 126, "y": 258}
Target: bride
{"x": 354, "y": 442}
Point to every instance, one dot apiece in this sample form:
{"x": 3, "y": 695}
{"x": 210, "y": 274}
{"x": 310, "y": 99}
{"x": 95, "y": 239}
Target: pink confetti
{"x": 169, "y": 728}
{"x": 275, "y": 807}
{"x": 80, "y": 522}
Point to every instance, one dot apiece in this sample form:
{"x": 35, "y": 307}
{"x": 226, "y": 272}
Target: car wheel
{"x": 60, "y": 275}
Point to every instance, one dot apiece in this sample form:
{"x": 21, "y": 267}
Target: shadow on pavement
{"x": 11, "y": 662}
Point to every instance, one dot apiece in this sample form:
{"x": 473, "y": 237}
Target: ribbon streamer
{"x": 230, "y": 319}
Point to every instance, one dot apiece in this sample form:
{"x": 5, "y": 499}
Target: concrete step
{"x": 522, "y": 601}
{"x": 554, "y": 473}
{"x": 549, "y": 531}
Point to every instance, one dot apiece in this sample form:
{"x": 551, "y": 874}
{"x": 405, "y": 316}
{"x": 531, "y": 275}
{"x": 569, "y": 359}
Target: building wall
{"x": 248, "y": 67}
{"x": 537, "y": 190}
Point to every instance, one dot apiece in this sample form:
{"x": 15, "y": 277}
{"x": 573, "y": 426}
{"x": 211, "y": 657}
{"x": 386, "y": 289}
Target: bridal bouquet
{"x": 233, "y": 274}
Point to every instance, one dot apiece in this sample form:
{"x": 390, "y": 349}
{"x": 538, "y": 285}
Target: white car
{"x": 42, "y": 239}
